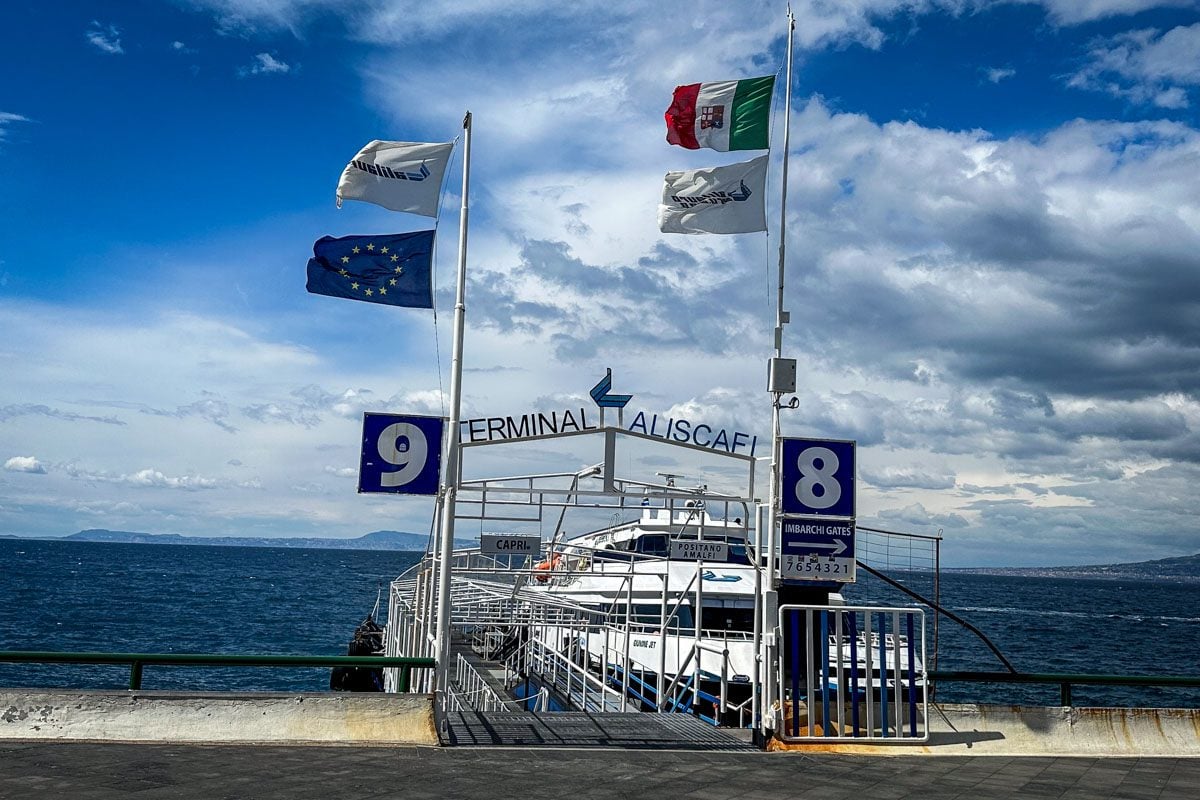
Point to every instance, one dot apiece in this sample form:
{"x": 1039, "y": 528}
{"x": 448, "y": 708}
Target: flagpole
{"x": 781, "y": 318}
{"x": 450, "y": 471}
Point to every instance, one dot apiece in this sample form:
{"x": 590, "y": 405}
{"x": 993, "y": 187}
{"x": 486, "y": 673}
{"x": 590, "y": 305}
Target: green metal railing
{"x": 1065, "y": 680}
{"x": 136, "y": 661}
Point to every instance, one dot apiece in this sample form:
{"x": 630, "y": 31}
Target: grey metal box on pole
{"x": 781, "y": 375}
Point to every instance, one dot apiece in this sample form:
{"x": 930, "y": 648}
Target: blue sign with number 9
{"x": 401, "y": 454}
{"x": 817, "y": 477}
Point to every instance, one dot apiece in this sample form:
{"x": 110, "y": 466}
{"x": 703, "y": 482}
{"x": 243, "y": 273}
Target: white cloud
{"x": 266, "y": 64}
{"x": 25, "y": 464}
{"x": 1074, "y": 12}
{"x": 221, "y": 420}
{"x": 818, "y": 24}
{"x": 1146, "y": 66}
{"x": 908, "y": 477}
{"x": 105, "y": 38}
{"x": 6, "y": 119}
{"x": 997, "y": 74}
{"x": 145, "y": 478}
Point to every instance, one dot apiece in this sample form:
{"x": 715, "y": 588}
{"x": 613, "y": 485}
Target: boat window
{"x": 654, "y": 544}
{"x": 737, "y": 554}
{"x": 728, "y": 602}
{"x": 727, "y": 619}
{"x": 646, "y": 614}
{"x": 683, "y": 619}
{"x": 651, "y": 614}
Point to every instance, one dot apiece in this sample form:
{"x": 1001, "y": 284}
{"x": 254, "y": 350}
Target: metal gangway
{"x": 503, "y": 631}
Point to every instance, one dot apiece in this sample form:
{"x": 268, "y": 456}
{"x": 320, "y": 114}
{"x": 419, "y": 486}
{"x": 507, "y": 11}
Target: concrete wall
{"x": 185, "y": 717}
{"x": 346, "y": 718}
{"x": 976, "y": 729}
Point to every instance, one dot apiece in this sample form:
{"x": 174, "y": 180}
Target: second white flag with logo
{"x": 729, "y": 199}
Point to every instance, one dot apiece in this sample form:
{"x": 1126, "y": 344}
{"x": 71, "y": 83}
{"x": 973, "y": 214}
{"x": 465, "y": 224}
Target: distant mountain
{"x": 1184, "y": 569}
{"x": 1181, "y": 568}
{"x": 377, "y": 540}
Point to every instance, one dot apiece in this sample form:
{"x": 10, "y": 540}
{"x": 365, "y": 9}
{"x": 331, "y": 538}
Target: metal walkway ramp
{"x": 575, "y": 729}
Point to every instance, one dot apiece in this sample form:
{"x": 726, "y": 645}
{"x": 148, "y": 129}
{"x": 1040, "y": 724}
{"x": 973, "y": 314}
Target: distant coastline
{"x": 376, "y": 540}
{"x": 1182, "y": 569}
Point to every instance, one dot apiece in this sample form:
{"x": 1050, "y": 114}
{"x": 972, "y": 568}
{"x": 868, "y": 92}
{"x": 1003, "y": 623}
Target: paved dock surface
{"x": 574, "y": 729}
{"x": 80, "y": 771}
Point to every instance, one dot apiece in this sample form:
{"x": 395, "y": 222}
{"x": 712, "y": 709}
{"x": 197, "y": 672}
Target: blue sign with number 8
{"x": 401, "y": 454}
{"x": 817, "y": 477}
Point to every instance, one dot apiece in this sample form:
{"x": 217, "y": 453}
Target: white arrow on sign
{"x": 837, "y": 545}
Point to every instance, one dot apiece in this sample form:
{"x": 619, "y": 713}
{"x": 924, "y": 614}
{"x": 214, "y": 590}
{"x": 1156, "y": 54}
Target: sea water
{"x": 86, "y": 596}
{"x": 89, "y": 596}
{"x": 1055, "y": 625}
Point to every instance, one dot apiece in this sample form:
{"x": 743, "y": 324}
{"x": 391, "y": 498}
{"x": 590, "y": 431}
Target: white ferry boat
{"x": 666, "y": 608}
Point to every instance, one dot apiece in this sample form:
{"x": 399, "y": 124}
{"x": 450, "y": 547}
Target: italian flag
{"x": 722, "y": 115}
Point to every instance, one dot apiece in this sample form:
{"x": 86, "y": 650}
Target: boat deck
{"x": 577, "y": 729}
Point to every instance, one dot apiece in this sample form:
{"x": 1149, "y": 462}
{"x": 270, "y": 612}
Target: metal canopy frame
{"x": 546, "y": 490}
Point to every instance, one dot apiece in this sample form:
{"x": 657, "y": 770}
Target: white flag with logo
{"x": 401, "y": 176}
{"x": 716, "y": 200}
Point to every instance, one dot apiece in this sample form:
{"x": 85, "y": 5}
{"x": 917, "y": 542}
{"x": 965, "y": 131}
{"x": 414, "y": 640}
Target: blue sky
{"x": 993, "y": 224}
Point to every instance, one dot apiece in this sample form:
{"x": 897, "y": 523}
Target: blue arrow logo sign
{"x": 603, "y": 399}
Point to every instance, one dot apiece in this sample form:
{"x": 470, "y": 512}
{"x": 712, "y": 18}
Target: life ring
{"x": 548, "y": 565}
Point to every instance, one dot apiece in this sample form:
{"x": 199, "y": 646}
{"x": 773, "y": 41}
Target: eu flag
{"x": 394, "y": 269}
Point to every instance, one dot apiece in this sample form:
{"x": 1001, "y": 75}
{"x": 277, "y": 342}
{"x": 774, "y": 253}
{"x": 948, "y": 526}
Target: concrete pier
{"x": 387, "y": 719}
{"x": 976, "y": 729}
{"x": 136, "y": 716}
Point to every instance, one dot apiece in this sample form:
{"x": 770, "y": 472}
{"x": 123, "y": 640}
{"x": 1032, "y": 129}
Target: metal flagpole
{"x": 450, "y": 471}
{"x": 777, "y": 390}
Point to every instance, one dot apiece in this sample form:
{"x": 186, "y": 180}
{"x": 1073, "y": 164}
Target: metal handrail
{"x": 137, "y": 661}
{"x": 1064, "y": 679}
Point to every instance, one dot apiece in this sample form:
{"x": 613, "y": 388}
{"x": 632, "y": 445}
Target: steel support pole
{"x": 451, "y": 469}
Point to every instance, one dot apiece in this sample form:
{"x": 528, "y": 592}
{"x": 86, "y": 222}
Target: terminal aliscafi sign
{"x": 538, "y": 423}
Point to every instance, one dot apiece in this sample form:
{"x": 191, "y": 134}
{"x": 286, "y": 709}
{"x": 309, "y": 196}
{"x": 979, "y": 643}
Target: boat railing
{"x": 686, "y": 698}
{"x": 726, "y": 634}
{"x": 683, "y": 677}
